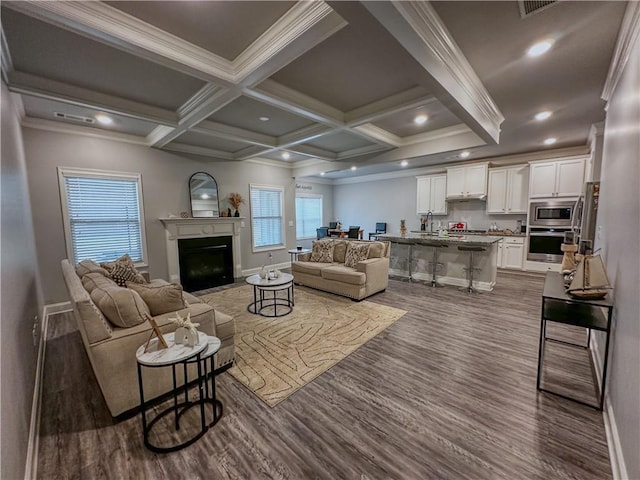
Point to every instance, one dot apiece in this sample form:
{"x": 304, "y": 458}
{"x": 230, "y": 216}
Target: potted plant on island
{"x": 235, "y": 199}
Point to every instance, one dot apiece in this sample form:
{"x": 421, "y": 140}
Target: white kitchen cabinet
{"x": 511, "y": 253}
{"x": 508, "y": 189}
{"x": 432, "y": 194}
{"x": 467, "y": 182}
{"x": 560, "y": 178}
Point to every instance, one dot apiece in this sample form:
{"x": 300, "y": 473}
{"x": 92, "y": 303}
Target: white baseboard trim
{"x": 456, "y": 282}
{"x": 252, "y": 271}
{"x": 618, "y": 466}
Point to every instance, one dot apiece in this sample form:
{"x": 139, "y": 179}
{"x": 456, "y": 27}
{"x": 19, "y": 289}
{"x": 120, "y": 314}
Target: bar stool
{"x": 434, "y": 262}
{"x": 409, "y": 258}
{"x": 471, "y": 249}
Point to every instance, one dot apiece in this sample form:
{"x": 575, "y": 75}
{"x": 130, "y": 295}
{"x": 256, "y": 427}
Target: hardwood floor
{"x": 448, "y": 391}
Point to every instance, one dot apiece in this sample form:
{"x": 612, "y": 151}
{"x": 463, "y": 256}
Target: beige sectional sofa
{"x": 112, "y": 349}
{"x": 367, "y": 277}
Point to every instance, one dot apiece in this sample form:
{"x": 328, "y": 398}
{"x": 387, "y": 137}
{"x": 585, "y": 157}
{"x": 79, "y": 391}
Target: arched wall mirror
{"x": 204, "y": 195}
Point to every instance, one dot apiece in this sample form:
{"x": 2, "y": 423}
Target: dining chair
{"x": 322, "y": 232}
{"x": 354, "y": 231}
{"x": 381, "y": 227}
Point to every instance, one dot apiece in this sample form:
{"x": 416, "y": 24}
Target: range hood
{"x": 467, "y": 198}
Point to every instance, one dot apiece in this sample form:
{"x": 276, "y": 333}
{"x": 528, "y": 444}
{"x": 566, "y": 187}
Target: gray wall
{"x": 21, "y": 297}
{"x": 619, "y": 230}
{"x": 165, "y": 191}
{"x": 391, "y": 200}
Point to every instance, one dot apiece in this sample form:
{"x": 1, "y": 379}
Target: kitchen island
{"x": 415, "y": 246}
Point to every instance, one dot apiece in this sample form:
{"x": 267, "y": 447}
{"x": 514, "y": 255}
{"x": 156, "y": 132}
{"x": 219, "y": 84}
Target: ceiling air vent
{"x": 74, "y": 118}
{"x": 531, "y": 7}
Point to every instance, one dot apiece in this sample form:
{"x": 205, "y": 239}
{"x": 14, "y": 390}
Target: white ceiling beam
{"x": 220, "y": 130}
{"x": 417, "y": 27}
{"x": 412, "y": 98}
{"x": 204, "y": 103}
{"x": 302, "y": 27}
{"x": 357, "y": 152}
{"x": 201, "y": 151}
{"x": 315, "y": 152}
{"x": 35, "y": 86}
{"x": 290, "y": 100}
{"x": 113, "y": 27}
{"x": 378, "y": 134}
{"x": 303, "y": 135}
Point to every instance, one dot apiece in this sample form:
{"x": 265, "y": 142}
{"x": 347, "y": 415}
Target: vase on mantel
{"x": 403, "y": 227}
{"x": 236, "y": 214}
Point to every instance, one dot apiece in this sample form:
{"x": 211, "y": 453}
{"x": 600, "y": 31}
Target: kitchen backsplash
{"x": 474, "y": 212}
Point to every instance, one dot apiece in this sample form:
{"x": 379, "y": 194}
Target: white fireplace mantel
{"x": 177, "y": 228}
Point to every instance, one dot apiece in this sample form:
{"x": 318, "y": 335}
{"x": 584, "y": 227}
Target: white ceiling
{"x": 339, "y": 82}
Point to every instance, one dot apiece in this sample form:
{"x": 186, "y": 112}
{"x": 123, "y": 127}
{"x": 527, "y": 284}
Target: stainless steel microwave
{"x": 551, "y": 214}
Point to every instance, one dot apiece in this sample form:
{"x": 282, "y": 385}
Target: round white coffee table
{"x": 202, "y": 356}
{"x": 266, "y": 305}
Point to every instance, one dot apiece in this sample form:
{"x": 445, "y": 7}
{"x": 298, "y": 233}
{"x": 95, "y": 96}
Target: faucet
{"x": 431, "y": 225}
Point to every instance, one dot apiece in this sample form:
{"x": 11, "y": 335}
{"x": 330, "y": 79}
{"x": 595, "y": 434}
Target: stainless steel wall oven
{"x": 544, "y": 244}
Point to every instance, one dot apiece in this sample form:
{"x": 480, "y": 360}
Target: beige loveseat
{"x": 369, "y": 276}
{"x": 112, "y": 350}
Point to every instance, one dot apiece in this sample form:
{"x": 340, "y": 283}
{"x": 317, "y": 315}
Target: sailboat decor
{"x": 590, "y": 281}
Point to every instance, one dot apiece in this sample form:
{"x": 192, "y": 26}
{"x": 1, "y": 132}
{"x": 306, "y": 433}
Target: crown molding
{"x": 375, "y": 177}
{"x": 629, "y": 31}
{"x": 109, "y": 25}
{"x": 27, "y": 84}
{"x": 319, "y": 181}
{"x": 5, "y": 56}
{"x": 201, "y": 151}
{"x": 538, "y": 155}
{"x": 195, "y": 102}
{"x": 379, "y": 134}
{"x": 418, "y": 28}
{"x": 270, "y": 162}
{"x": 59, "y": 127}
{"x": 305, "y": 134}
{"x": 158, "y": 133}
{"x": 18, "y": 105}
{"x": 315, "y": 152}
{"x": 435, "y": 134}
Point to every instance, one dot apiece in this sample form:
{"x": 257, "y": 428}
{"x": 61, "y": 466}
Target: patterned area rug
{"x": 277, "y": 356}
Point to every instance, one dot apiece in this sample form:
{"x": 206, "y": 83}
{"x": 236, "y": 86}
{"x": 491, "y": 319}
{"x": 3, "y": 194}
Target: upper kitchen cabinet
{"x": 508, "y": 189}
{"x": 467, "y": 182}
{"x": 560, "y": 178}
{"x": 432, "y": 194}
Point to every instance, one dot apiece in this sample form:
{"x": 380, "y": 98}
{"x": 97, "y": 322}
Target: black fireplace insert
{"x": 205, "y": 262}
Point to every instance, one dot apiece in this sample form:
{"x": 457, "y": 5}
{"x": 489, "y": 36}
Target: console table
{"x": 558, "y": 306}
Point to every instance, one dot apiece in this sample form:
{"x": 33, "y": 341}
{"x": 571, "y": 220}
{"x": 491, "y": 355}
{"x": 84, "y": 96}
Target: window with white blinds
{"x": 267, "y": 222}
{"x": 308, "y": 215}
{"x": 103, "y": 215}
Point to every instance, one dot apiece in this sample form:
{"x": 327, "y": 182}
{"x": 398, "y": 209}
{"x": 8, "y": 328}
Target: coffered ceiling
{"x": 317, "y": 86}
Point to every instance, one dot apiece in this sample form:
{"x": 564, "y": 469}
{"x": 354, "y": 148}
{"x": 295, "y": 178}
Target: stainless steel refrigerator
{"x": 590, "y": 211}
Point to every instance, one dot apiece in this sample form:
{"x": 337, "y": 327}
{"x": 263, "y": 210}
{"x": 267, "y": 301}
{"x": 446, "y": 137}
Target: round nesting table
{"x": 202, "y": 356}
{"x": 264, "y": 303}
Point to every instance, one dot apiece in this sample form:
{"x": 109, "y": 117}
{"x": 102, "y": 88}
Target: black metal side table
{"x": 202, "y": 356}
{"x": 558, "y": 306}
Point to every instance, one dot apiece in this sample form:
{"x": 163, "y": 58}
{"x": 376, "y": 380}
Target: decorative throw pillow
{"x": 95, "y": 280}
{"x": 322, "y": 252}
{"x": 160, "y": 298}
{"x": 123, "y": 271}
{"x": 122, "y": 307}
{"x": 355, "y": 254}
{"x": 89, "y": 266}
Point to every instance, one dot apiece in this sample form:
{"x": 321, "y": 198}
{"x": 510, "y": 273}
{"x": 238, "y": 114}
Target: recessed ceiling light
{"x": 550, "y": 141}
{"x": 539, "y": 48}
{"x": 104, "y": 120}
{"x": 263, "y": 119}
{"x": 404, "y": 163}
{"x": 204, "y": 196}
{"x": 543, "y": 115}
{"x": 420, "y": 119}
{"x": 353, "y": 168}
{"x": 322, "y": 174}
{"x": 285, "y": 155}
{"x": 464, "y": 154}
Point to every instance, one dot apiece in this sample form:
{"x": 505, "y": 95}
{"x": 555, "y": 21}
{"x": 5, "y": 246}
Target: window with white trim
{"x": 103, "y": 215}
{"x": 308, "y": 215}
{"x": 267, "y": 219}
